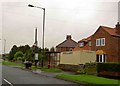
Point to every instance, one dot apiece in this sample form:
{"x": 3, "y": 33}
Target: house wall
{"x": 62, "y": 49}
{"x": 115, "y": 54}
{"x": 77, "y": 57}
{"x": 119, "y": 49}
{"x": 85, "y": 47}
{"x": 111, "y": 45}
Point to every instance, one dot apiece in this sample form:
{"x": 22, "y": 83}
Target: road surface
{"x": 14, "y": 76}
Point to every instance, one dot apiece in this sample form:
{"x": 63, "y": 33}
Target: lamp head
{"x": 31, "y": 5}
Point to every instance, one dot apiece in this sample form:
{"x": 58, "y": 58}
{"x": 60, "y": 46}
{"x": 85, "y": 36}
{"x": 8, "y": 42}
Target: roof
{"x": 67, "y": 43}
{"x": 111, "y": 31}
{"x": 86, "y": 46}
{"x": 86, "y": 39}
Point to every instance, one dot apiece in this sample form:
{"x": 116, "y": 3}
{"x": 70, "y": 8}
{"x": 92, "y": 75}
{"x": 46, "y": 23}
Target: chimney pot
{"x": 118, "y": 28}
{"x": 68, "y": 37}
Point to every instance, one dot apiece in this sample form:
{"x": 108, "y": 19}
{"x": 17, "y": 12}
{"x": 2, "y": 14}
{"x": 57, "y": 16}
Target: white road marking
{"x": 8, "y": 82}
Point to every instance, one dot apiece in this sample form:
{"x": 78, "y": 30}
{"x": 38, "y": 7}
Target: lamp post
{"x": 4, "y": 47}
{"x": 43, "y": 31}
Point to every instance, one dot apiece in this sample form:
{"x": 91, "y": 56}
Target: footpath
{"x": 47, "y": 74}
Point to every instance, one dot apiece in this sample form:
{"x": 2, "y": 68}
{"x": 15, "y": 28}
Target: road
{"x": 18, "y": 76}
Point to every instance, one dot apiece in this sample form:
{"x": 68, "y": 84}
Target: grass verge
{"x": 54, "y": 70}
{"x": 12, "y": 64}
{"x": 89, "y": 79}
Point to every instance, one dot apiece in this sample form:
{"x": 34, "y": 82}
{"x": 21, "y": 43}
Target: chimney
{"x": 118, "y": 28}
{"x": 68, "y": 37}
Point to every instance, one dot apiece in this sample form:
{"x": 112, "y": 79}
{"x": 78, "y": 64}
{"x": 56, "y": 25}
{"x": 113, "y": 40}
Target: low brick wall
{"x": 69, "y": 67}
{"x": 114, "y": 75}
{"x": 81, "y": 68}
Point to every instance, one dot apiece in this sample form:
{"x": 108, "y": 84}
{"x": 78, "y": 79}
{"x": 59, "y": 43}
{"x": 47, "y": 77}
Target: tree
{"x": 13, "y": 50}
{"x": 24, "y": 49}
{"x": 52, "y": 49}
{"x": 21, "y": 48}
{"x": 18, "y": 55}
{"x": 29, "y": 55}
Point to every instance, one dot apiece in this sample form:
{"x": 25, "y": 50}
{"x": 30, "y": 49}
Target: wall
{"x": 62, "y": 49}
{"x": 77, "y": 57}
{"x": 111, "y": 45}
{"x": 85, "y": 47}
{"x": 107, "y": 47}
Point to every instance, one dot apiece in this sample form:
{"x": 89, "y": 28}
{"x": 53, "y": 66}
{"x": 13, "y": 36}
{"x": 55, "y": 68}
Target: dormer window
{"x": 81, "y": 44}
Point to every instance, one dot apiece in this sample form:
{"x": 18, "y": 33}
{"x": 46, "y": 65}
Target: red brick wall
{"x": 111, "y": 45}
{"x": 115, "y": 53}
{"x": 63, "y": 49}
{"x": 119, "y": 49}
{"x": 86, "y": 47}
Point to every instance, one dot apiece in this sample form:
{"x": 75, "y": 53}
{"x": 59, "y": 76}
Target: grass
{"x": 34, "y": 68}
{"x": 12, "y": 64}
{"x": 54, "y": 70}
{"x": 89, "y": 79}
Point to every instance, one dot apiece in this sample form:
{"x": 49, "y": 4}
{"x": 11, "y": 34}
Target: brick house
{"x": 106, "y": 42}
{"x": 66, "y": 45}
{"x": 84, "y": 44}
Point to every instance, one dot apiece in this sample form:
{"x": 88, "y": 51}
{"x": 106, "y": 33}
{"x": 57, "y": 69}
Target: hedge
{"x": 110, "y": 67}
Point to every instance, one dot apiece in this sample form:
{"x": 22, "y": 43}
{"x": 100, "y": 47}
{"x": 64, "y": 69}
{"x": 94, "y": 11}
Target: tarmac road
{"x": 14, "y": 76}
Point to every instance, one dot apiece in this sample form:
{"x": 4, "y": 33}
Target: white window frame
{"x": 97, "y": 42}
{"x": 102, "y": 57}
{"x": 100, "y": 42}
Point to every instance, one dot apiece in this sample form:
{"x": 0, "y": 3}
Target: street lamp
{"x": 4, "y": 46}
{"x": 43, "y": 31}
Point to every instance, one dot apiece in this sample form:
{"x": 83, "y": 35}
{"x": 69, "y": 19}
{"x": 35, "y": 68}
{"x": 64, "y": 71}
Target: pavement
{"x": 49, "y": 74}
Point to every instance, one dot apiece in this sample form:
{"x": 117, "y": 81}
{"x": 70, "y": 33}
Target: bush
{"x": 91, "y": 68}
{"x": 18, "y": 54}
{"x": 111, "y": 67}
{"x": 19, "y": 58}
{"x": 110, "y": 70}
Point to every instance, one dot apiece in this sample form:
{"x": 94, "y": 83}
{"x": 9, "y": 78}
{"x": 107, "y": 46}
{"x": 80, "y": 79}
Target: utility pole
{"x": 36, "y": 48}
{"x": 3, "y": 55}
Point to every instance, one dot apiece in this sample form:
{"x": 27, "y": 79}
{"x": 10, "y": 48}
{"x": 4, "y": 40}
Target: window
{"x": 101, "y": 58}
{"x": 89, "y": 43}
{"x": 97, "y": 42}
{"x": 81, "y": 44}
{"x": 100, "y": 42}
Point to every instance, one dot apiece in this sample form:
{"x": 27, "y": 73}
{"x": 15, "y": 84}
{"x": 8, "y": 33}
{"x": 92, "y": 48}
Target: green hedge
{"x": 91, "y": 68}
{"x": 110, "y": 67}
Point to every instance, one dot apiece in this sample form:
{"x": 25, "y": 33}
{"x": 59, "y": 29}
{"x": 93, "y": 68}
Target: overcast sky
{"x": 79, "y": 18}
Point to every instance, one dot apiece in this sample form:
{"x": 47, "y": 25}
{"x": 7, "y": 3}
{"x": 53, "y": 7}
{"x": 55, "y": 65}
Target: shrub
{"x": 19, "y": 58}
{"x": 18, "y": 54}
{"x": 111, "y": 67}
{"x": 111, "y": 70}
{"x": 91, "y": 68}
